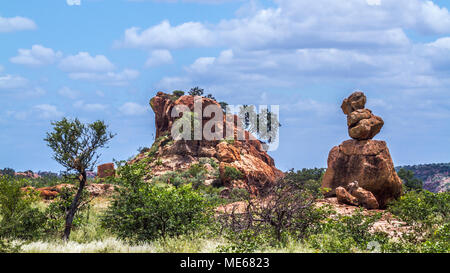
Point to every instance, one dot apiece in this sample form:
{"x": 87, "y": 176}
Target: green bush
{"x": 20, "y": 218}
{"x": 231, "y": 173}
{"x": 178, "y": 93}
{"x": 347, "y": 234}
{"x": 143, "y": 211}
{"x": 57, "y": 210}
{"x": 428, "y": 216}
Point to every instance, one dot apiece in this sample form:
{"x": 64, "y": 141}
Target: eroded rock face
{"x": 367, "y": 162}
{"x": 247, "y": 156}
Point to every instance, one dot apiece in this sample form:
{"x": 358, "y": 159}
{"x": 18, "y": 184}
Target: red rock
{"x": 365, "y": 198}
{"x": 354, "y": 102}
{"x": 106, "y": 170}
{"x": 344, "y": 197}
{"x": 367, "y": 162}
{"x": 245, "y": 155}
{"x": 362, "y": 124}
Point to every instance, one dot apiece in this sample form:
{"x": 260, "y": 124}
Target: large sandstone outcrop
{"x": 361, "y": 158}
{"x": 247, "y": 156}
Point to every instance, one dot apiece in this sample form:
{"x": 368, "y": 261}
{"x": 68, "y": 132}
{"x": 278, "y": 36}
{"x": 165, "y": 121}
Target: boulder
{"x": 354, "y": 102}
{"x": 363, "y": 125}
{"x": 106, "y": 170}
{"x": 344, "y": 197}
{"x": 365, "y": 198}
{"x": 367, "y": 162}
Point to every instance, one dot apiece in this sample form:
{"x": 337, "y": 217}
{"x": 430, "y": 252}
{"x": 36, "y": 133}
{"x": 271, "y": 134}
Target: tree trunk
{"x": 74, "y": 207}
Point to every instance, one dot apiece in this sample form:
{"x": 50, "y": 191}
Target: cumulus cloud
{"x": 159, "y": 57}
{"x": 165, "y": 36}
{"x": 84, "y": 62}
{"x": 36, "y": 56}
{"x": 90, "y": 107}
{"x": 133, "y": 109}
{"x": 109, "y": 78}
{"x": 12, "y": 82}
{"x": 47, "y": 111}
{"x": 73, "y": 2}
{"x": 16, "y": 24}
{"x": 68, "y": 92}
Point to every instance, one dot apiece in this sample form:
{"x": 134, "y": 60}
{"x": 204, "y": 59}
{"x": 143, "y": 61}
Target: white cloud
{"x": 373, "y": 2}
{"x": 16, "y": 24}
{"x": 73, "y": 2}
{"x": 109, "y": 78}
{"x": 12, "y": 82}
{"x": 133, "y": 109}
{"x": 68, "y": 92}
{"x": 84, "y": 62}
{"x": 34, "y": 92}
{"x": 47, "y": 111}
{"x": 90, "y": 107}
{"x": 36, "y": 56}
{"x": 165, "y": 36}
{"x": 159, "y": 57}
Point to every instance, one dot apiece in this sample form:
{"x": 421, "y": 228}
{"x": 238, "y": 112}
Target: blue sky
{"x": 98, "y": 59}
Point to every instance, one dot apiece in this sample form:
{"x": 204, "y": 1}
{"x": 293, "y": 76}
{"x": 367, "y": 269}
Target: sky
{"x": 105, "y": 59}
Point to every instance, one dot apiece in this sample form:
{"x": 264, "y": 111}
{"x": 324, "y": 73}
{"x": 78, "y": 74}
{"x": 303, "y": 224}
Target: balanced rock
{"x": 362, "y": 159}
{"x": 362, "y": 124}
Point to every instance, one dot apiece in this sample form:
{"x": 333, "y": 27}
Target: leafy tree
{"x": 75, "y": 147}
{"x": 8, "y": 172}
{"x": 196, "y": 91}
{"x": 410, "y": 182}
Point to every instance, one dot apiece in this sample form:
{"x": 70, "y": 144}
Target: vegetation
{"x": 19, "y": 216}
{"x": 142, "y": 212}
{"x": 75, "y": 147}
{"x": 177, "y": 211}
{"x": 409, "y": 181}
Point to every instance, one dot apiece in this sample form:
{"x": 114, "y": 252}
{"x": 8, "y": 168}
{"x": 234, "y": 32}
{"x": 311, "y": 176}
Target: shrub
{"x": 142, "y": 211}
{"x": 231, "y": 173}
{"x": 287, "y": 210}
{"x": 428, "y": 216}
{"x": 196, "y": 91}
{"x": 57, "y": 210}
{"x": 347, "y": 234}
{"x": 178, "y": 93}
{"x": 20, "y": 218}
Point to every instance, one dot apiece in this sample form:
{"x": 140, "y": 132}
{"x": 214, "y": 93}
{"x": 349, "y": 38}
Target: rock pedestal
{"x": 361, "y": 158}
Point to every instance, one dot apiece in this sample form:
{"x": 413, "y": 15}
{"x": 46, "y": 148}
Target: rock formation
{"x": 106, "y": 170}
{"x": 247, "y": 156}
{"x": 361, "y": 158}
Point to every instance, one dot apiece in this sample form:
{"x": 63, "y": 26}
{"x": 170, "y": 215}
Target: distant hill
{"x": 435, "y": 177}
